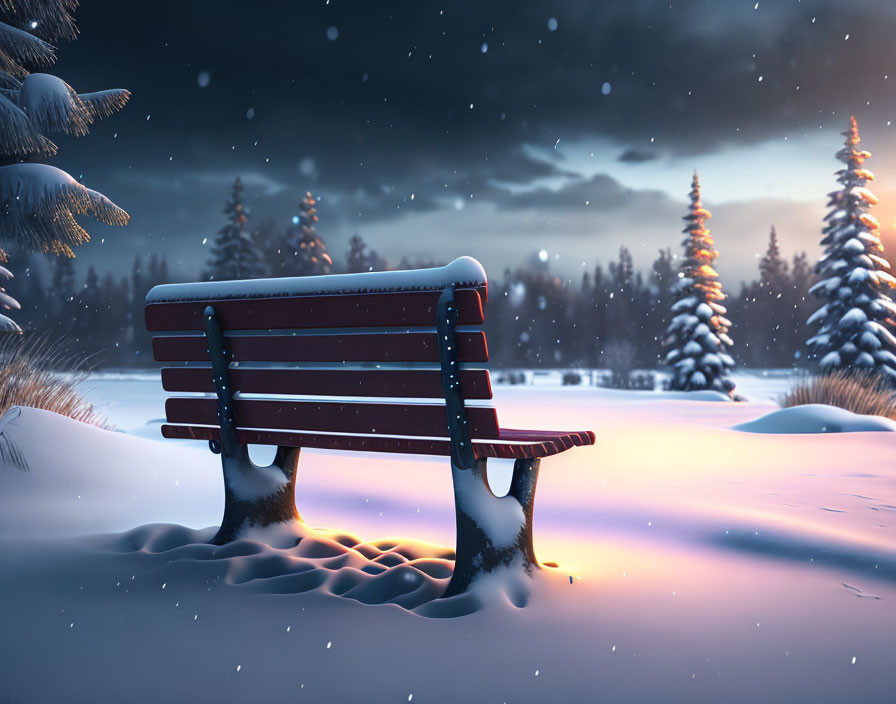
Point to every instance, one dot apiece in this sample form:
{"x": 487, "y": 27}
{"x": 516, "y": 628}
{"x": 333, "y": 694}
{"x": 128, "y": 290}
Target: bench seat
{"x": 510, "y": 444}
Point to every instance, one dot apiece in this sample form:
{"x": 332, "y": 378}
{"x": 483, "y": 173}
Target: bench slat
{"x": 398, "y": 309}
{"x": 399, "y": 383}
{"x": 367, "y": 443}
{"x": 570, "y": 438}
{"x": 334, "y": 417}
{"x": 349, "y": 347}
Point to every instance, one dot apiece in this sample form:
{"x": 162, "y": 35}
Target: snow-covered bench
{"x": 308, "y": 362}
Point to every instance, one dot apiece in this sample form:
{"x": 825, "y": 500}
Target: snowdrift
{"x": 697, "y": 564}
{"x": 79, "y": 479}
{"x": 815, "y": 418}
{"x": 87, "y": 479}
{"x": 293, "y": 559}
{"x": 703, "y": 395}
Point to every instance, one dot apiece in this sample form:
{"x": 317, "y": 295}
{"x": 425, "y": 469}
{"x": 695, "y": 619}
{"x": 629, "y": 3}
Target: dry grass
{"x": 859, "y": 392}
{"x": 40, "y": 374}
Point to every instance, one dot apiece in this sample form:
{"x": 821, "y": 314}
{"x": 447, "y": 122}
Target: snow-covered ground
{"x": 696, "y": 562}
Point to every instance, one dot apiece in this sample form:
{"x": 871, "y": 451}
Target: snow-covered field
{"x": 696, "y": 563}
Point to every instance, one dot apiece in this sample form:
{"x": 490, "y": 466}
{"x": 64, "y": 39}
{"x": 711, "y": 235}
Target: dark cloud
{"x": 406, "y": 101}
{"x": 636, "y": 156}
{"x": 601, "y": 192}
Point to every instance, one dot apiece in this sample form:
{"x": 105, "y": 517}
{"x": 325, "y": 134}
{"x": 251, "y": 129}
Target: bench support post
{"x": 458, "y": 428}
{"x": 219, "y": 356}
{"x": 492, "y": 532}
{"x": 522, "y": 488}
{"x": 257, "y": 496}
{"x": 253, "y": 495}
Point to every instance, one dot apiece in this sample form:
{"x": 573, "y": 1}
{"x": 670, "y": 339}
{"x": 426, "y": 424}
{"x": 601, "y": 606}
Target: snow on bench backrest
{"x": 464, "y": 272}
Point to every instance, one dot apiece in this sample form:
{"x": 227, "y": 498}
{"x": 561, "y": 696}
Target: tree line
{"x": 536, "y": 318}
{"x": 675, "y": 314}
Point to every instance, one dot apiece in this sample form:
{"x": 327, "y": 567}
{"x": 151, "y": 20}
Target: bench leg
{"x": 492, "y": 531}
{"x": 257, "y": 496}
{"x": 522, "y": 488}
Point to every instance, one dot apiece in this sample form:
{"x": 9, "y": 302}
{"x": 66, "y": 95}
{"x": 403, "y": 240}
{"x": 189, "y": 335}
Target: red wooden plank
{"x": 363, "y": 443}
{"x": 334, "y": 417}
{"x": 573, "y": 438}
{"x": 405, "y": 383}
{"x": 348, "y": 347}
{"x": 399, "y": 309}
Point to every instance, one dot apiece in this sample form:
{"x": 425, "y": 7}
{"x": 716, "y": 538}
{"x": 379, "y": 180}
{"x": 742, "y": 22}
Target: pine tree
{"x": 797, "y": 307}
{"x": 270, "y": 245}
{"x": 7, "y": 302}
{"x": 114, "y": 314}
{"x": 234, "y": 254}
{"x": 158, "y": 269}
{"x": 305, "y": 252}
{"x": 38, "y": 202}
{"x": 662, "y": 274}
{"x": 360, "y": 257}
{"x": 138, "y": 282}
{"x": 90, "y": 318}
{"x": 64, "y": 278}
{"x": 621, "y": 296}
{"x": 62, "y": 304}
{"x": 772, "y": 268}
{"x": 662, "y": 280}
{"x": 698, "y": 333}
{"x": 763, "y": 337}
{"x": 30, "y": 289}
{"x": 856, "y": 321}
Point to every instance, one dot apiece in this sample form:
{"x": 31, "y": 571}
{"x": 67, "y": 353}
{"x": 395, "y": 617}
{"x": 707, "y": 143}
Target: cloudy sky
{"x": 493, "y": 129}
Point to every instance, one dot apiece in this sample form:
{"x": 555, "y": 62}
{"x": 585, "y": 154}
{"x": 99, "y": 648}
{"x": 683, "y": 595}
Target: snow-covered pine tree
{"x": 698, "y": 333}
{"x": 858, "y": 316}
{"x": 234, "y": 254}
{"x": 305, "y": 252}
{"x": 38, "y": 202}
{"x": 8, "y": 302}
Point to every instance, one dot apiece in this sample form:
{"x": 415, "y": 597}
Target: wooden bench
{"x": 374, "y": 362}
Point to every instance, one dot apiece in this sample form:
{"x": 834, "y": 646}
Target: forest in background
{"x": 534, "y": 318}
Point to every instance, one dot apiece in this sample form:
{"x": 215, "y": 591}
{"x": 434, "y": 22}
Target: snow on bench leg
{"x": 257, "y": 496}
{"x": 522, "y": 488}
{"x": 492, "y": 532}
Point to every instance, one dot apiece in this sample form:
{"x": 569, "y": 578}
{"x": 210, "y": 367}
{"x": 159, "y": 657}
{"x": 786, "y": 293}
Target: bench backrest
{"x": 361, "y": 337}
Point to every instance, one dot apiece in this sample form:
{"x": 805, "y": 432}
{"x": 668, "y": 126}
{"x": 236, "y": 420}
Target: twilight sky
{"x": 492, "y": 129}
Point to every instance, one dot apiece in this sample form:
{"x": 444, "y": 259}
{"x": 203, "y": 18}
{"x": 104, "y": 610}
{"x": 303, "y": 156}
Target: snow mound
{"x": 75, "y": 478}
{"x": 293, "y": 559}
{"x": 704, "y": 395}
{"x": 815, "y": 418}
